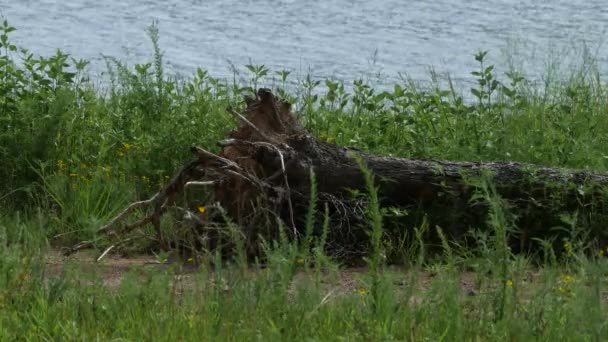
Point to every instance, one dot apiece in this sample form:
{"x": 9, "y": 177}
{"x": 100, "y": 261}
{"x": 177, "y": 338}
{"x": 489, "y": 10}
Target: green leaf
{"x": 480, "y": 56}
{"x": 477, "y": 93}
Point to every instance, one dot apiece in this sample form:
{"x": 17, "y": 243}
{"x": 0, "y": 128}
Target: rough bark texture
{"x": 536, "y": 197}
{"x": 263, "y": 173}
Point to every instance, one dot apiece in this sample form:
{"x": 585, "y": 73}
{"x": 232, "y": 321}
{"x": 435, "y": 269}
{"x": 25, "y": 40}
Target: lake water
{"x": 342, "y": 39}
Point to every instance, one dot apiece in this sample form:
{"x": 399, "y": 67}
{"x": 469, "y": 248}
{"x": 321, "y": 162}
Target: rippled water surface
{"x": 344, "y": 39}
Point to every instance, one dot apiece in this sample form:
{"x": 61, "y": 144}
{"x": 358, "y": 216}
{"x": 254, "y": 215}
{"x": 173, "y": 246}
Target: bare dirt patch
{"x": 113, "y": 268}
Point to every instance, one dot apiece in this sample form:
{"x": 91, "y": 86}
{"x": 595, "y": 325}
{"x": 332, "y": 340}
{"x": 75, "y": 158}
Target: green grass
{"x": 74, "y": 153}
{"x": 282, "y": 301}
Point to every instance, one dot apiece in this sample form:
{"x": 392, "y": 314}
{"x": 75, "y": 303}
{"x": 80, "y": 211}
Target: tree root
{"x": 269, "y": 157}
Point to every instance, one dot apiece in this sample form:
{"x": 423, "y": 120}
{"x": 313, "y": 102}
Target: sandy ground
{"x": 113, "y": 268}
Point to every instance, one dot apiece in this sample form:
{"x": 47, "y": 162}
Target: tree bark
{"x": 536, "y": 199}
{"x": 262, "y": 173}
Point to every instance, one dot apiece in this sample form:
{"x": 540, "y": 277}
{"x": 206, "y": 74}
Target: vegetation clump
{"x": 75, "y": 153}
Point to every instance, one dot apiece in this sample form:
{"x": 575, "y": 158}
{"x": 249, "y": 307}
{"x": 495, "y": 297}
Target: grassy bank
{"x": 277, "y": 303}
{"x": 74, "y": 153}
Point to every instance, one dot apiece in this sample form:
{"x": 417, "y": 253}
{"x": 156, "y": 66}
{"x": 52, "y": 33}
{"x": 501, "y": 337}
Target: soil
{"x": 113, "y": 268}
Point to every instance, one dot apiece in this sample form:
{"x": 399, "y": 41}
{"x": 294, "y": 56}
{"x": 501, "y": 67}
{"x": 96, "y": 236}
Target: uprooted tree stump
{"x": 261, "y": 180}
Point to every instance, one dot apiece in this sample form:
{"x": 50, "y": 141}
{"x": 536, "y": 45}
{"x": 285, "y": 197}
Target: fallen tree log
{"x": 265, "y": 164}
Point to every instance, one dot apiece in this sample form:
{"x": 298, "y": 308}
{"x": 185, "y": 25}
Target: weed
{"x": 73, "y": 153}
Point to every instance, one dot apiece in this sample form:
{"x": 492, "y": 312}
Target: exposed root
{"x": 261, "y": 176}
{"x": 257, "y": 130}
{"x": 157, "y": 205}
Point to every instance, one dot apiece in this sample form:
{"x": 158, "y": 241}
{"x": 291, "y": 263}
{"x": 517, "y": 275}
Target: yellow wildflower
{"x": 601, "y": 252}
{"x": 119, "y": 153}
{"x": 361, "y": 291}
{"x": 568, "y": 248}
{"x": 72, "y": 174}
{"x": 61, "y": 164}
{"x": 145, "y": 179}
{"x": 300, "y": 261}
{"x": 562, "y": 289}
{"x": 510, "y": 283}
{"x": 126, "y": 147}
{"x": 202, "y": 210}
{"x": 190, "y": 259}
{"x": 565, "y": 278}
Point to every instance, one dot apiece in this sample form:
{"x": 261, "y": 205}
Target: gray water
{"x": 342, "y": 39}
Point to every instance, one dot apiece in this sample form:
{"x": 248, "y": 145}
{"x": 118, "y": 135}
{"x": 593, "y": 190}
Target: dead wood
{"x": 267, "y": 162}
